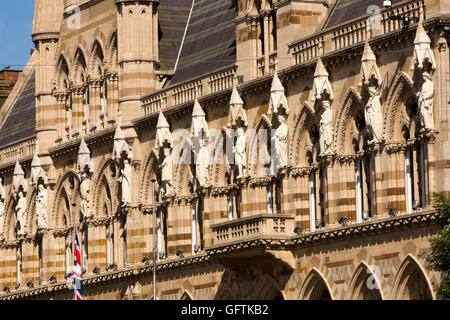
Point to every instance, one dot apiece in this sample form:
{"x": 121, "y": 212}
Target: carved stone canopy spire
{"x": 198, "y": 111}
{"x": 369, "y": 67}
{"x": 84, "y": 158}
{"x": 18, "y": 177}
{"x": 422, "y": 49}
{"x": 199, "y": 127}
{"x": 235, "y": 97}
{"x": 162, "y": 132}
{"x": 37, "y": 172}
{"x": 236, "y": 109}
{"x": 278, "y": 99}
{"x": 120, "y": 145}
{"x": 321, "y": 83}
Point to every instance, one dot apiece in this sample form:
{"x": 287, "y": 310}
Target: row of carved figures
{"x": 322, "y": 94}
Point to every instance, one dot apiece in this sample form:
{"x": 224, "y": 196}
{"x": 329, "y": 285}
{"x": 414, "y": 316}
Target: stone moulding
{"x": 288, "y": 243}
{"x": 82, "y": 7}
{"x": 72, "y": 146}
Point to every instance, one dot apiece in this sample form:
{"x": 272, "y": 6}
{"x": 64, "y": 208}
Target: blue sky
{"x": 16, "y": 23}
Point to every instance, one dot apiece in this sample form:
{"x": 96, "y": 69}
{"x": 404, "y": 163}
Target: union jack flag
{"x": 77, "y": 273}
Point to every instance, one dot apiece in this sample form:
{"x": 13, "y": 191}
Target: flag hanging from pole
{"x": 77, "y": 273}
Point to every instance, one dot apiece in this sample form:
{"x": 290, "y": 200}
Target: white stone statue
{"x": 425, "y": 97}
{"x": 166, "y": 168}
{"x": 373, "y": 115}
{"x": 2, "y": 207}
{"x": 326, "y": 129}
{"x": 280, "y": 140}
{"x": 240, "y": 152}
{"x": 125, "y": 179}
{"x": 21, "y": 209}
{"x": 202, "y": 164}
{"x": 85, "y": 197}
{"x": 41, "y": 206}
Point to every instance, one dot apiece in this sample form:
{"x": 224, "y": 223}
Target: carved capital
{"x": 301, "y": 172}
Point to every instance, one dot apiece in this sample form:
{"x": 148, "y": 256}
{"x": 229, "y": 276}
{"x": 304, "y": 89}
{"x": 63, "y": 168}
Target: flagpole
{"x": 73, "y": 248}
{"x": 154, "y": 240}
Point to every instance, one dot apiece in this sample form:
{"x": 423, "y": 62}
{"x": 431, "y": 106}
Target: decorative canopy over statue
{"x": 163, "y": 134}
{"x": 120, "y": 145}
{"x": 278, "y": 99}
{"x": 37, "y": 172}
{"x": 321, "y": 85}
{"x": 84, "y": 158}
{"x": 422, "y": 49}
{"x": 237, "y": 111}
{"x": 18, "y": 178}
{"x": 369, "y": 67}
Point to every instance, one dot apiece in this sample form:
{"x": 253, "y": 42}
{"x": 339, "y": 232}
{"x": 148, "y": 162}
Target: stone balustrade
{"x": 263, "y": 225}
{"x": 343, "y": 36}
{"x": 307, "y": 50}
{"x": 180, "y": 93}
{"x": 18, "y": 150}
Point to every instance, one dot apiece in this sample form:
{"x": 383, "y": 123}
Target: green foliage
{"x": 439, "y": 258}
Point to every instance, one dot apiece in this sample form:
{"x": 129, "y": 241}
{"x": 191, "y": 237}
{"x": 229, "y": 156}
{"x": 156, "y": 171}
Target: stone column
{"x": 266, "y": 15}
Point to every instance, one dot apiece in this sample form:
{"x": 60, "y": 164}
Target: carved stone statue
{"x": 41, "y": 206}
{"x": 85, "y": 197}
{"x": 425, "y": 97}
{"x": 240, "y": 152}
{"x": 202, "y": 164}
{"x": 125, "y": 179}
{"x": 21, "y": 209}
{"x": 166, "y": 168}
{"x": 280, "y": 142}
{"x": 373, "y": 115}
{"x": 2, "y": 208}
{"x": 326, "y": 129}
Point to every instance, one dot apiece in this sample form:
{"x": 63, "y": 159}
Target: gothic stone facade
{"x": 337, "y": 122}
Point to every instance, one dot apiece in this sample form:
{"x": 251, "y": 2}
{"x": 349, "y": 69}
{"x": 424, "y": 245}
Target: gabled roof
{"x": 173, "y": 15}
{"x": 20, "y": 122}
{"x": 210, "y": 41}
